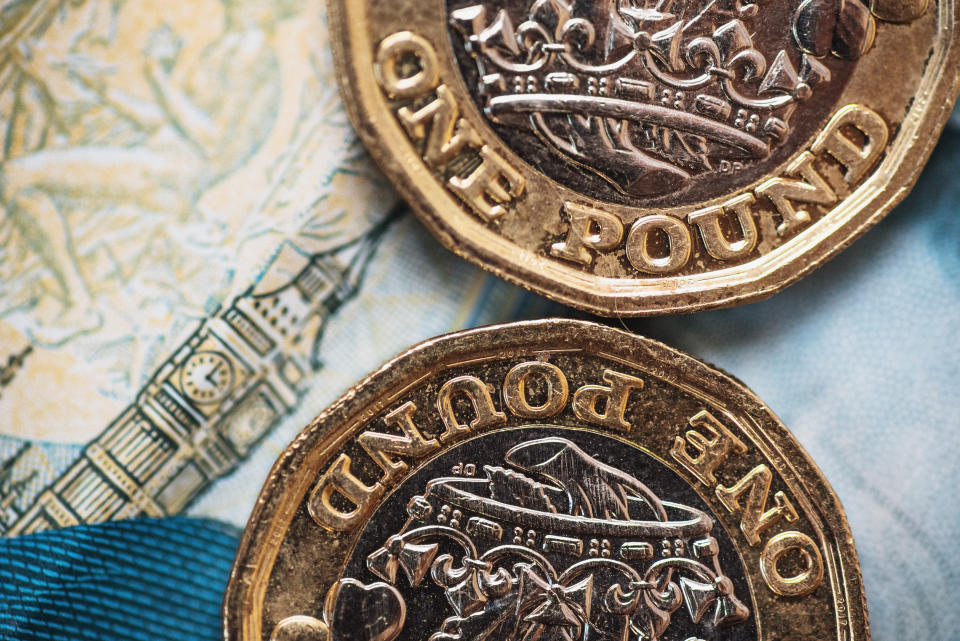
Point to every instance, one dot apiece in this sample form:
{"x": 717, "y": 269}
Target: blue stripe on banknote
{"x": 135, "y": 580}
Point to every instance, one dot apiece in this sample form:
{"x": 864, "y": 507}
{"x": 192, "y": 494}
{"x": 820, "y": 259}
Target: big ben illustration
{"x": 211, "y": 402}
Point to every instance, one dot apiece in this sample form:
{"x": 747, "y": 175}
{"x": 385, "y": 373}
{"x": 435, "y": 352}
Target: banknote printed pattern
{"x": 170, "y": 244}
{"x": 203, "y": 411}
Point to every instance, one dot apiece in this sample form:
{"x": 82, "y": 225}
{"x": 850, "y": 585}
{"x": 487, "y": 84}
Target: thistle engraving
{"x": 554, "y": 545}
{"x": 647, "y": 94}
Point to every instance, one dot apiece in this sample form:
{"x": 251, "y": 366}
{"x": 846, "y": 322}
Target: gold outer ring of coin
{"x": 565, "y": 471}
{"x": 668, "y": 170}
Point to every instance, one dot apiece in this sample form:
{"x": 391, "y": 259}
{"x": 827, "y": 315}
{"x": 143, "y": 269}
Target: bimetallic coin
{"x": 635, "y": 157}
{"x": 550, "y": 480}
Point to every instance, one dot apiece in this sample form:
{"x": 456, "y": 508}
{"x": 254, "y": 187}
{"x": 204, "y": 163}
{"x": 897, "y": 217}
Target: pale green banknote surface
{"x": 182, "y": 208}
{"x": 196, "y": 257}
{"x": 185, "y": 216}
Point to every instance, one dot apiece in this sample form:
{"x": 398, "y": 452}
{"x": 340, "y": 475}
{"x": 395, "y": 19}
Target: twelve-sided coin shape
{"x": 633, "y": 157}
{"x": 545, "y": 480}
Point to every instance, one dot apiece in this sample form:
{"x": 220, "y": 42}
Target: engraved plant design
{"x": 647, "y": 93}
{"x": 593, "y": 553}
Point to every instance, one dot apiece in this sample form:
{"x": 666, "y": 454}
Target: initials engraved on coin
{"x": 545, "y": 481}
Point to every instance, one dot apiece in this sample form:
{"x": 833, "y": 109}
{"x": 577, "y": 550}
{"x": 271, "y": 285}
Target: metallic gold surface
{"x": 639, "y": 158}
{"x": 548, "y": 479}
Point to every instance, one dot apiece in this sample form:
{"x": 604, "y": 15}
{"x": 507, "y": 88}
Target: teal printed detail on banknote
{"x": 182, "y": 206}
{"x": 117, "y": 581}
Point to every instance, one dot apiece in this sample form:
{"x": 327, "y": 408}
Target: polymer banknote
{"x": 182, "y": 208}
{"x": 196, "y": 257}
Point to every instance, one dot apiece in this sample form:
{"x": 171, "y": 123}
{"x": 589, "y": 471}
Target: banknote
{"x": 859, "y": 360}
{"x": 182, "y": 208}
{"x": 196, "y": 257}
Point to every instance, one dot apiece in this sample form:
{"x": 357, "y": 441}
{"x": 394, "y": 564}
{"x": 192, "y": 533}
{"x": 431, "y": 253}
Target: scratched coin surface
{"x": 634, "y": 157}
{"x": 549, "y": 480}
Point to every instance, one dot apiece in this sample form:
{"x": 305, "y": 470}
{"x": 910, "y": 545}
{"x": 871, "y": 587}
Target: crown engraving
{"x": 556, "y": 546}
{"x": 648, "y": 93}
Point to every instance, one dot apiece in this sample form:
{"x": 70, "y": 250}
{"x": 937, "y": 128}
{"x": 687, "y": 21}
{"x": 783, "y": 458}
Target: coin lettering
{"x": 341, "y": 480}
{"x": 856, "y": 158}
{"x": 478, "y": 393}
{"x": 710, "y": 453}
{"x": 678, "y": 246}
{"x": 591, "y": 230}
{"x": 545, "y": 480}
{"x": 597, "y": 404}
{"x": 515, "y": 390}
{"x": 606, "y": 405}
{"x": 637, "y": 157}
{"x": 755, "y": 517}
{"x": 382, "y": 448}
{"x": 714, "y": 240}
{"x": 490, "y": 187}
{"x": 747, "y": 497}
{"x": 802, "y": 584}
{"x": 490, "y": 183}
{"x": 395, "y": 50}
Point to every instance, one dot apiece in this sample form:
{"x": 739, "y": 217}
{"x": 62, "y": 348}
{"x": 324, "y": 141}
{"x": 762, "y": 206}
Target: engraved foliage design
{"x": 554, "y": 545}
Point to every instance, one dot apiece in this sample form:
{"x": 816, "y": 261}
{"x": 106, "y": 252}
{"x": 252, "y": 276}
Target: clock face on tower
{"x": 206, "y": 377}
